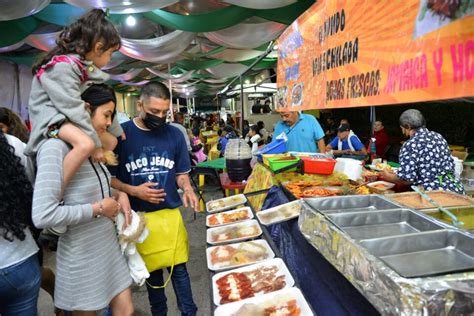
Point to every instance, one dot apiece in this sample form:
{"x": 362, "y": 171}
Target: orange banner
{"x": 345, "y": 53}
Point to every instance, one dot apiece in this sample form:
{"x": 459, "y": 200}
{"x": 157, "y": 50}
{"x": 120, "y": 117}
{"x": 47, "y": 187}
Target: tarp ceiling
{"x": 200, "y": 45}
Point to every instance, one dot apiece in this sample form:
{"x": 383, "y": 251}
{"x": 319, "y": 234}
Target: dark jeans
{"x": 182, "y": 290}
{"x": 19, "y": 288}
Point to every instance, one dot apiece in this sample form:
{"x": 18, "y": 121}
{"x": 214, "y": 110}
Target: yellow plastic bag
{"x": 167, "y": 243}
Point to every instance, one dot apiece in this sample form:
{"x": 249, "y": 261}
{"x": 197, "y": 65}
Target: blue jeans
{"x": 182, "y": 290}
{"x": 19, "y": 288}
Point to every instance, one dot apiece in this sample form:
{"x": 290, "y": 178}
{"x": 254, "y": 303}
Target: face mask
{"x": 153, "y": 122}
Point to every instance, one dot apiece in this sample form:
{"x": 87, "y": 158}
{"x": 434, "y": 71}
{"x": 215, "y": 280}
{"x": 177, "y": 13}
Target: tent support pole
{"x": 241, "y": 123}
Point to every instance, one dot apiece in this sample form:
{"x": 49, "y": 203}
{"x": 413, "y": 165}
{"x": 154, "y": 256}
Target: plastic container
{"x": 267, "y": 156}
{"x": 238, "y": 170}
{"x": 318, "y": 165}
{"x": 352, "y": 168}
{"x": 458, "y": 166}
{"x": 278, "y": 163}
{"x": 237, "y": 158}
{"x": 276, "y": 147}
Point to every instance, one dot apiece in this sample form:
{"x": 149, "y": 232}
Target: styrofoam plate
{"x": 282, "y": 270}
{"x": 238, "y": 226}
{"x": 268, "y": 254}
{"x": 277, "y": 215}
{"x": 225, "y": 203}
{"x": 267, "y": 300}
{"x": 246, "y": 208}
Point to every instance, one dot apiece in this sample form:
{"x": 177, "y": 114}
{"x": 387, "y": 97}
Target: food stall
{"x": 354, "y": 245}
{"x": 357, "y": 255}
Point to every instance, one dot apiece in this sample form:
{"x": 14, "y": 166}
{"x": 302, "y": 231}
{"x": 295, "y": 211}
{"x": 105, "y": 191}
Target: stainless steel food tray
{"x": 351, "y": 203}
{"x": 464, "y": 198}
{"x": 425, "y": 254}
{"x": 376, "y": 224}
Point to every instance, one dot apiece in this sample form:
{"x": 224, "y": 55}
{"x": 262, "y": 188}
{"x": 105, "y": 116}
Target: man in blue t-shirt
{"x": 153, "y": 159}
{"x": 303, "y": 132}
{"x": 346, "y": 143}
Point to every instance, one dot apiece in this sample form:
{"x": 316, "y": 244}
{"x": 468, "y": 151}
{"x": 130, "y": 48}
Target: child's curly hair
{"x": 81, "y": 36}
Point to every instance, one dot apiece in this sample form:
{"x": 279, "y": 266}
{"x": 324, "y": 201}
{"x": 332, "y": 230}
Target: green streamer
{"x": 60, "y": 13}
{"x": 14, "y": 31}
{"x": 285, "y": 15}
{"x": 207, "y": 22}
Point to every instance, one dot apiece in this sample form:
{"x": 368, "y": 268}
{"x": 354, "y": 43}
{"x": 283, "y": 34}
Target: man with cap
{"x": 346, "y": 143}
{"x": 302, "y": 130}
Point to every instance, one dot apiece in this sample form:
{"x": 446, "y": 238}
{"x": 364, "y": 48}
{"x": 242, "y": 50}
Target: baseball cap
{"x": 344, "y": 128}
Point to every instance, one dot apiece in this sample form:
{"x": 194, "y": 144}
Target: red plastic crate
{"x": 318, "y": 165}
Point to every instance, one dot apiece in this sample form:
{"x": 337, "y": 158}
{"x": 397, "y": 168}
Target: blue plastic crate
{"x": 276, "y": 147}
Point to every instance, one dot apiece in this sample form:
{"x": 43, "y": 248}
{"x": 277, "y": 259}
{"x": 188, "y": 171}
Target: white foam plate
{"x": 246, "y": 208}
{"x": 227, "y": 203}
{"x": 278, "y": 215}
{"x": 282, "y": 270}
{"x": 223, "y": 229}
{"x": 267, "y": 300}
{"x": 215, "y": 267}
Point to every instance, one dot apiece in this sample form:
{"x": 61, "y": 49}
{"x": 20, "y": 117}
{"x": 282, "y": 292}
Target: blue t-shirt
{"x": 302, "y": 136}
{"x": 355, "y": 141}
{"x": 152, "y": 156}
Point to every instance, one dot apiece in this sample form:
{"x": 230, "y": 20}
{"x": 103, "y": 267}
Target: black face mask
{"x": 153, "y": 122}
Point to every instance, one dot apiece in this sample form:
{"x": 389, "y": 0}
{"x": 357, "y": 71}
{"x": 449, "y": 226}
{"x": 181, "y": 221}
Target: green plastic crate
{"x": 277, "y": 163}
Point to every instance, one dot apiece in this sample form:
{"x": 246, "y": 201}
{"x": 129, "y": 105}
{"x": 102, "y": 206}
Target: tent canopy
{"x": 198, "y": 45}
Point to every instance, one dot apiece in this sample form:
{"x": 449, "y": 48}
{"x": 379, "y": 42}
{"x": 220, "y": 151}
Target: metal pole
{"x": 171, "y": 94}
{"x": 241, "y": 103}
{"x": 372, "y": 120}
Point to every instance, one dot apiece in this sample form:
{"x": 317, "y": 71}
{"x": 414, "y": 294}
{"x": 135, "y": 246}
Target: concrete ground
{"x": 197, "y": 268}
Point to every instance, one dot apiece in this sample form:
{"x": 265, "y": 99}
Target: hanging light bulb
{"x": 131, "y": 21}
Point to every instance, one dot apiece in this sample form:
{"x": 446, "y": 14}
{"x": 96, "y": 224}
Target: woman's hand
{"x": 108, "y": 207}
{"x": 388, "y": 176}
{"x": 122, "y": 199}
{"x": 98, "y": 155}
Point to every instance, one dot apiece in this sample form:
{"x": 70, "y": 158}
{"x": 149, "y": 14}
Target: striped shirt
{"x": 90, "y": 267}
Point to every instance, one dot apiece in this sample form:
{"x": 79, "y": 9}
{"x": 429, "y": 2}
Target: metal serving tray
{"x": 376, "y": 224}
{"x": 351, "y": 203}
{"x": 425, "y": 254}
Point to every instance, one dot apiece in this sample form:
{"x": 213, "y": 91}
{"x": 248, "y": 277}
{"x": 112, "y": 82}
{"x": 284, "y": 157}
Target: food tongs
{"x": 454, "y": 219}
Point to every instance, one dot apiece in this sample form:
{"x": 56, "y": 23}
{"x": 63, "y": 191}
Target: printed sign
{"x": 361, "y": 53}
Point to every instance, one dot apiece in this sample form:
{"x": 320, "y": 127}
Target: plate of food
{"x": 381, "y": 185}
{"x": 279, "y": 213}
{"x": 233, "y": 232}
{"x": 250, "y": 281}
{"x": 229, "y": 217}
{"x": 288, "y": 302}
{"x": 381, "y": 166}
{"x": 238, "y": 254}
{"x": 225, "y": 203}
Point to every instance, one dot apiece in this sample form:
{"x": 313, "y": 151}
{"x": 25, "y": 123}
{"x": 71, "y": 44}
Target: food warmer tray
{"x": 370, "y": 224}
{"x": 425, "y": 254}
{"x": 351, "y": 203}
